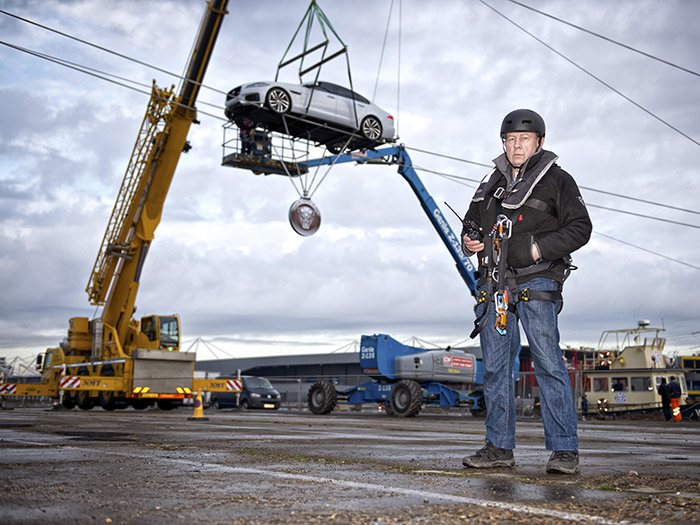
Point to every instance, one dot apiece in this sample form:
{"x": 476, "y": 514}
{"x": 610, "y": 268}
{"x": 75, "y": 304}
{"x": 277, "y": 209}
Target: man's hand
{"x": 472, "y": 245}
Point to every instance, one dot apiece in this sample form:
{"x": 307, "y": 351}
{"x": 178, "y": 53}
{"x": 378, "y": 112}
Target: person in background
{"x": 675, "y": 392}
{"x": 665, "y": 394}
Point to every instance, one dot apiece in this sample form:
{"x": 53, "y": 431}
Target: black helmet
{"x": 522, "y": 120}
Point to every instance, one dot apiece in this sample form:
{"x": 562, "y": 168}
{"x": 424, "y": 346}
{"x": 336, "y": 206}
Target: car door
{"x": 350, "y": 108}
{"x": 322, "y": 105}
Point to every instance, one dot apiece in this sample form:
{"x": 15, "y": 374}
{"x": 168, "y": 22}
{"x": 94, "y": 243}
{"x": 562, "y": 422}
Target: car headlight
{"x": 254, "y": 395}
{"x": 256, "y": 84}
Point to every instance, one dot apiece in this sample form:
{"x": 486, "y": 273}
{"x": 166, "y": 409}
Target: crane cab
{"x": 162, "y": 332}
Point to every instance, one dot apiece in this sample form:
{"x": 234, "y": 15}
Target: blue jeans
{"x": 539, "y": 321}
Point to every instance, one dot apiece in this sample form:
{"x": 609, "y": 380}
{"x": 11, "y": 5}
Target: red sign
{"x": 456, "y": 361}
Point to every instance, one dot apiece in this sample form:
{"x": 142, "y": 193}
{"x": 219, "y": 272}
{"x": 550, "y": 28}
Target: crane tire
{"x": 406, "y": 398}
{"x": 322, "y": 398}
{"x": 82, "y": 397}
{"x": 108, "y": 399}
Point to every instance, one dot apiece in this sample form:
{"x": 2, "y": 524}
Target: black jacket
{"x": 546, "y": 208}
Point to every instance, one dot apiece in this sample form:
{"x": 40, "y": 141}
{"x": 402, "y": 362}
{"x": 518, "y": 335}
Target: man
{"x": 665, "y": 394}
{"x": 674, "y": 390}
{"x": 524, "y": 221}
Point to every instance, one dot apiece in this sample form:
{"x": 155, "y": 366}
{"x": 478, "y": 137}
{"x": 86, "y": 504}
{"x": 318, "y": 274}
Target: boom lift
{"x": 115, "y": 360}
{"x": 405, "y": 377}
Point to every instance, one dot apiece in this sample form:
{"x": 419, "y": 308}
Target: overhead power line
{"x": 678, "y": 223}
{"x": 120, "y": 81}
{"x": 490, "y": 166}
{"x": 611, "y": 88}
{"x": 103, "y": 75}
{"x": 640, "y": 200}
{"x": 106, "y": 50}
{"x": 124, "y": 82}
{"x": 598, "y": 35}
{"x": 647, "y": 250}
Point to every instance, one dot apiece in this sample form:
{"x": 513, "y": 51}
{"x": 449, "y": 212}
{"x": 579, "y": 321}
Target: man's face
{"x": 519, "y": 146}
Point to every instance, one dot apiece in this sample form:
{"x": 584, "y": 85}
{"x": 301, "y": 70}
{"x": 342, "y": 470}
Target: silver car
{"x": 328, "y": 113}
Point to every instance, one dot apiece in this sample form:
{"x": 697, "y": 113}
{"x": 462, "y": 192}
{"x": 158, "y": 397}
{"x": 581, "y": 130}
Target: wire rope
{"x": 584, "y": 70}
{"x": 646, "y": 250}
{"x": 308, "y": 191}
{"x": 588, "y": 188}
{"x": 106, "y": 50}
{"x": 381, "y": 55}
{"x": 644, "y": 216}
{"x": 598, "y": 35}
{"x": 121, "y": 81}
{"x": 398, "y": 74}
{"x": 102, "y": 75}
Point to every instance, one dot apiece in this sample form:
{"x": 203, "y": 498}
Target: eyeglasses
{"x": 524, "y": 138}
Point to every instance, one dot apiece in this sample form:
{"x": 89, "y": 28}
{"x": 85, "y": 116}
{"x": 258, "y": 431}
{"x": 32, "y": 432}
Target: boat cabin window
{"x": 600, "y": 384}
{"x": 619, "y": 384}
{"x": 641, "y": 384}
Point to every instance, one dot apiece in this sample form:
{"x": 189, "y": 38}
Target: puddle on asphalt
{"x": 503, "y": 488}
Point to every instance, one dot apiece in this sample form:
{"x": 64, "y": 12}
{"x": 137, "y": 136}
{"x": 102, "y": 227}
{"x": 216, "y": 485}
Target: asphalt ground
{"x": 59, "y": 466}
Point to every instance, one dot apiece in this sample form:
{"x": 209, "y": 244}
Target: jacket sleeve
{"x": 575, "y": 225}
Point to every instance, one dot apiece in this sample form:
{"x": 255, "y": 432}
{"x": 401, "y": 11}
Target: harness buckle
{"x": 500, "y": 193}
{"x": 501, "y": 301}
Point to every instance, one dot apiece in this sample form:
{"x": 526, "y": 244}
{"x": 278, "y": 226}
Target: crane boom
{"x": 116, "y": 273}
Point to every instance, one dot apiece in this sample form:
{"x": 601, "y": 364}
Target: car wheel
{"x": 215, "y": 404}
{"x": 278, "y": 100}
{"x": 245, "y": 404}
{"x": 371, "y": 128}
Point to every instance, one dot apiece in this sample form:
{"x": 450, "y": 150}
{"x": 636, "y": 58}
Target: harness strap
{"x": 539, "y": 295}
{"x": 480, "y": 322}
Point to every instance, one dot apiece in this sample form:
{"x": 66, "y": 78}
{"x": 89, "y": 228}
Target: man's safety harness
{"x": 504, "y": 278}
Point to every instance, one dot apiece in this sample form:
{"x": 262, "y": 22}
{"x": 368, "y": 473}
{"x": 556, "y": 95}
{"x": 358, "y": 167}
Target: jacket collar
{"x": 531, "y": 173}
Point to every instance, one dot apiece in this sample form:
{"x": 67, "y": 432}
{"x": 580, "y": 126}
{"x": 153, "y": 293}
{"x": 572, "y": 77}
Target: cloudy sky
{"x": 225, "y": 257}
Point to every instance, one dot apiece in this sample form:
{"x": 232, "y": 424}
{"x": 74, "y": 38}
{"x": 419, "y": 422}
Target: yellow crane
{"x": 116, "y": 360}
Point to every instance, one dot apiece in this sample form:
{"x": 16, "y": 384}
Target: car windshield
{"x": 258, "y": 382}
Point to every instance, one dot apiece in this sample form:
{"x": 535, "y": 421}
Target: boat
{"x": 624, "y": 373}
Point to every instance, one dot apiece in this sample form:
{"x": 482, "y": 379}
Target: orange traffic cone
{"x": 198, "y": 409}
